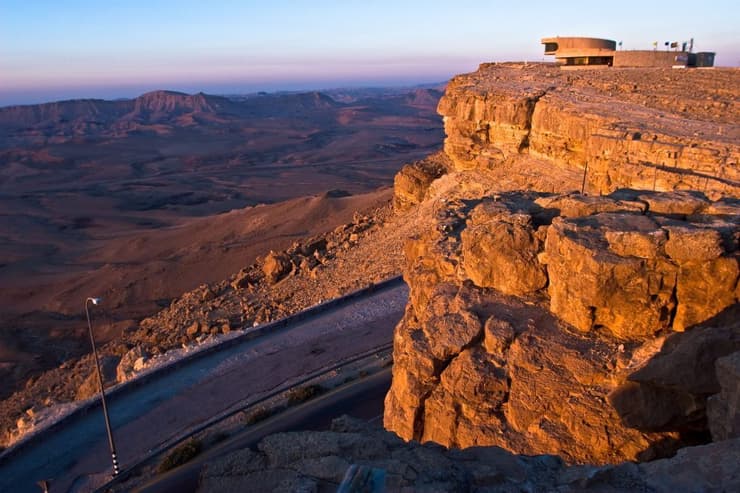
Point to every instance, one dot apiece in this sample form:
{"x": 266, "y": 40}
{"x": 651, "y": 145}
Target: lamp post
{"x": 111, "y": 443}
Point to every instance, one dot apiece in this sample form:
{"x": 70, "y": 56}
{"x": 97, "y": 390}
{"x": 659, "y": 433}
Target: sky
{"x": 62, "y": 49}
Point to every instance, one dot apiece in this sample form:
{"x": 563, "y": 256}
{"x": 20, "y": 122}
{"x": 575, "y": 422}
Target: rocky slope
{"x": 586, "y": 326}
{"x": 367, "y": 249}
{"x": 318, "y": 461}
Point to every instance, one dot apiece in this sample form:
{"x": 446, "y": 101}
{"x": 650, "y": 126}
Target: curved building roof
{"x": 565, "y": 47}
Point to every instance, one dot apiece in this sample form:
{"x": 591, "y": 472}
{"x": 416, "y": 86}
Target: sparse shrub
{"x": 302, "y": 394}
{"x": 257, "y": 415}
{"x": 180, "y": 455}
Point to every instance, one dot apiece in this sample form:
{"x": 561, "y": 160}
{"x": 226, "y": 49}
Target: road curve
{"x": 180, "y": 400}
{"x": 361, "y": 399}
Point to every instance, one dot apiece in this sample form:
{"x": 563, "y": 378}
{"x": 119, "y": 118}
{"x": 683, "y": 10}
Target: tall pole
{"x": 111, "y": 443}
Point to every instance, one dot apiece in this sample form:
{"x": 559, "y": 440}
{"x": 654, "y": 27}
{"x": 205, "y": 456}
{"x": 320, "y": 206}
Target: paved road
{"x": 362, "y": 399}
{"x": 161, "y": 408}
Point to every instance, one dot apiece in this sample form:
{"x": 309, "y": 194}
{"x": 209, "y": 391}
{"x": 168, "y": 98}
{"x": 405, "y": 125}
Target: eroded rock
{"x": 548, "y": 333}
{"x": 276, "y": 266}
{"x": 500, "y": 251}
{"x": 655, "y": 141}
{"x": 410, "y": 185}
{"x": 131, "y": 363}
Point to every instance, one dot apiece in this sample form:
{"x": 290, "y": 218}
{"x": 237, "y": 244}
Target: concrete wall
{"x": 566, "y": 47}
{"x": 650, "y": 58}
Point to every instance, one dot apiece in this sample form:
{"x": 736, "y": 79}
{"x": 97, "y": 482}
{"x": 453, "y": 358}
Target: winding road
{"x": 361, "y": 399}
{"x": 153, "y": 412}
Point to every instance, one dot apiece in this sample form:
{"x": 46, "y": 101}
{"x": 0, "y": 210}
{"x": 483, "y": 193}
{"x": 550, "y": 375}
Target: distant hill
{"x": 90, "y": 117}
{"x": 422, "y": 97}
{"x": 78, "y": 174}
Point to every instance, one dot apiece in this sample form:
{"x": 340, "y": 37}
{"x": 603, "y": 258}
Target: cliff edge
{"x": 601, "y": 130}
{"x": 587, "y": 325}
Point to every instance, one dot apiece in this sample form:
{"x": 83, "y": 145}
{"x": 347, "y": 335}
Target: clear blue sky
{"x": 108, "y": 48}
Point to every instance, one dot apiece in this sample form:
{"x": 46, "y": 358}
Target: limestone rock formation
{"x": 655, "y": 140}
{"x": 317, "y": 461}
{"x": 536, "y": 322}
{"x": 499, "y": 250}
{"x": 586, "y": 325}
{"x": 276, "y": 266}
{"x": 412, "y": 182}
{"x": 131, "y": 363}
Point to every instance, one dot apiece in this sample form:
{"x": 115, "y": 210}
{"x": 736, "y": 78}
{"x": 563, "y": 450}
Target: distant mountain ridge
{"x": 89, "y": 115}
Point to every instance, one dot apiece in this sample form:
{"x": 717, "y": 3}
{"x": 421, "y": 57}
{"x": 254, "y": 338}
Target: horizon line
{"x": 308, "y": 88}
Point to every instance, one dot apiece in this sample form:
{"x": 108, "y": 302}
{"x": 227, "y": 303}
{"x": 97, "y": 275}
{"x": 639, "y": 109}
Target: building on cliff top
{"x": 578, "y": 52}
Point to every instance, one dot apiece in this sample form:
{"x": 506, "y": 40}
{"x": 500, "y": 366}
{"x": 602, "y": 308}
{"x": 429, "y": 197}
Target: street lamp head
{"x": 94, "y": 301}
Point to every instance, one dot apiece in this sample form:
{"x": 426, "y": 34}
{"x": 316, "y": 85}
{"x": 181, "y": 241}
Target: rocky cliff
{"x": 654, "y": 129}
{"x": 582, "y": 325}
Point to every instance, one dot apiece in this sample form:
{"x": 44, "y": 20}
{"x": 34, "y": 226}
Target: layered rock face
{"x": 597, "y": 327}
{"x": 644, "y": 128}
{"x": 548, "y": 323}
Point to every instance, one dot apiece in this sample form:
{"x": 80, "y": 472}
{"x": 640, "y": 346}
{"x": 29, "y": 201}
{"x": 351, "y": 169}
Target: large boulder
{"x": 131, "y": 363}
{"x": 410, "y": 185}
{"x": 500, "y": 251}
{"x": 276, "y": 266}
{"x": 636, "y": 275}
{"x": 670, "y": 391}
{"x": 723, "y": 408}
{"x": 603, "y": 272}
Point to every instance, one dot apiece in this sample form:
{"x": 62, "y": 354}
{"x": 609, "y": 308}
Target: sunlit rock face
{"x": 644, "y": 128}
{"x": 550, "y": 323}
{"x": 576, "y": 278}
{"x": 411, "y": 183}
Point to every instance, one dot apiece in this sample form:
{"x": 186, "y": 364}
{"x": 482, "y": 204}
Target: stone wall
{"x": 650, "y": 58}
